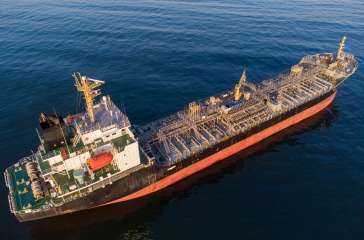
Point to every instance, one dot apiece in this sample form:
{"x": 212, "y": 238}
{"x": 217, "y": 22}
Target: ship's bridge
{"x": 109, "y": 122}
{"x": 107, "y": 115}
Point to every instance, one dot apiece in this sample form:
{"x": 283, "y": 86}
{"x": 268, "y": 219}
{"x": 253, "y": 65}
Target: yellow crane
{"x": 237, "y": 92}
{"x": 89, "y": 88}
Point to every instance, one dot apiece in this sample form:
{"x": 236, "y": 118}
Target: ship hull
{"x": 228, "y": 151}
{"x": 138, "y": 188}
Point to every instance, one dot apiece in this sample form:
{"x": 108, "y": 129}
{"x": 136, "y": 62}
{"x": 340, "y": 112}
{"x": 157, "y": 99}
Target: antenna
{"x": 65, "y": 142}
{"x": 89, "y": 88}
{"x": 243, "y": 77}
{"x": 40, "y": 139}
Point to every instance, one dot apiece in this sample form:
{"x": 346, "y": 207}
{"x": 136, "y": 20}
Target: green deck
{"x": 43, "y": 162}
{"x": 44, "y": 166}
{"x": 21, "y": 189}
{"x": 63, "y": 181}
{"x": 104, "y": 172}
{"x": 122, "y": 141}
{"x": 21, "y": 185}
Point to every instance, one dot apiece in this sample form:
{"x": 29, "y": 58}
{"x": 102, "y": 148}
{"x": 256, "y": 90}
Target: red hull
{"x": 227, "y": 152}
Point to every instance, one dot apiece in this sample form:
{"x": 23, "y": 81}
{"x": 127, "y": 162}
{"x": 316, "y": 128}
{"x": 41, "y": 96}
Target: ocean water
{"x": 156, "y": 56}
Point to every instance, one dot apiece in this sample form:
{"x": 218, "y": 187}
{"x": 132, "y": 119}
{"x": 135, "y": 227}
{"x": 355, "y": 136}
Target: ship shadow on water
{"x": 127, "y": 221}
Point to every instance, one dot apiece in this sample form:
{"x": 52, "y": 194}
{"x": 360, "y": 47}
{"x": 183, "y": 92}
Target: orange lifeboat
{"x": 99, "y": 161}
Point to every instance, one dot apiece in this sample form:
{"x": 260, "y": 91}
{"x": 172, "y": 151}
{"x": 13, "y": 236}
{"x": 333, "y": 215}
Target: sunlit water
{"x": 156, "y": 56}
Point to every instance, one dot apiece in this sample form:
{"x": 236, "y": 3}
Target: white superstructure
{"x": 100, "y": 147}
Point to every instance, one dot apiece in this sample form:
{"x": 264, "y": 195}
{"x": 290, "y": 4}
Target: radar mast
{"x": 89, "y": 88}
{"x": 237, "y": 92}
{"x": 340, "y": 51}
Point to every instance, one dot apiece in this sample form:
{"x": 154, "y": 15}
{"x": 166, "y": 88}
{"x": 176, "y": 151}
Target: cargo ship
{"x": 97, "y": 158}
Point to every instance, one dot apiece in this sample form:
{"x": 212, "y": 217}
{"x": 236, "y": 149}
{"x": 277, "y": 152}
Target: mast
{"x": 340, "y": 51}
{"x": 237, "y": 92}
{"x": 89, "y": 88}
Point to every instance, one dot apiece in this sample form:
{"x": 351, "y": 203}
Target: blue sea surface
{"x": 156, "y": 56}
